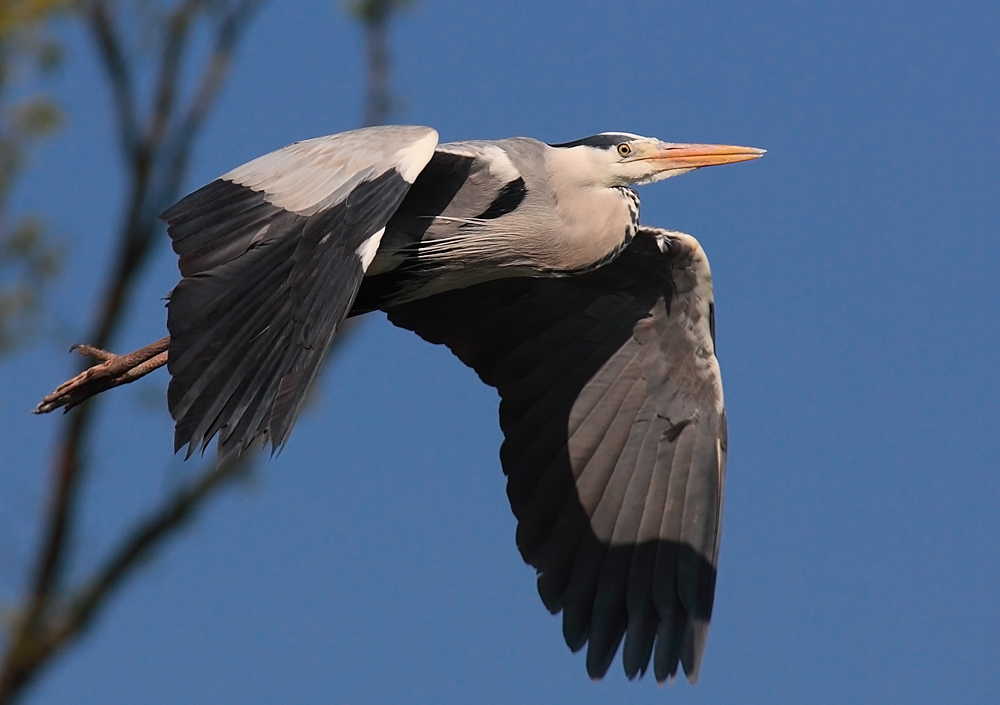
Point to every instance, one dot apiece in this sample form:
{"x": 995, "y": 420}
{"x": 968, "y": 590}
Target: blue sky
{"x": 857, "y": 299}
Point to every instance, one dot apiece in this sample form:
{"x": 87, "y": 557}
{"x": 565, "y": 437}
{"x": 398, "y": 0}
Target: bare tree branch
{"x": 65, "y": 623}
{"x": 113, "y": 58}
{"x": 170, "y": 61}
{"x": 157, "y": 158}
{"x": 377, "y": 101}
{"x": 375, "y": 16}
{"x": 230, "y": 30}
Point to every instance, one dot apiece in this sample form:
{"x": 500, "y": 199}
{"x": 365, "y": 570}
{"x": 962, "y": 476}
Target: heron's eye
{"x": 624, "y": 149}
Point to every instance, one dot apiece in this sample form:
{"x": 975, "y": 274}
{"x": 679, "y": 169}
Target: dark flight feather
{"x": 614, "y": 443}
{"x": 263, "y": 296}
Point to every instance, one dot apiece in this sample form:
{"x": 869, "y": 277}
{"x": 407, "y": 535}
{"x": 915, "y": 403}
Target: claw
{"x": 91, "y": 351}
{"x": 112, "y": 371}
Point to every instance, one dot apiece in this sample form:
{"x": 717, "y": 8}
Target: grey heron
{"x": 528, "y": 261}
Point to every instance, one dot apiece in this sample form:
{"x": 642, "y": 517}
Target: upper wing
{"x": 615, "y": 445}
{"x": 441, "y": 225}
{"x": 272, "y": 255}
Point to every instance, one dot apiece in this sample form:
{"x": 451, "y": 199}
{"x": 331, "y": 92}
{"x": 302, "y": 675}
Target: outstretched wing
{"x": 615, "y": 447}
{"x": 272, "y": 255}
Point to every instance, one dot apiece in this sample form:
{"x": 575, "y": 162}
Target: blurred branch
{"x": 68, "y": 619}
{"x": 376, "y": 15}
{"x": 157, "y": 152}
{"x": 158, "y": 156}
{"x": 216, "y": 71}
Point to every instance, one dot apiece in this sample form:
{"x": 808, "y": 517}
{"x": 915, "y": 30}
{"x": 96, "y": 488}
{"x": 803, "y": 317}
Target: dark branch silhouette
{"x": 68, "y": 618}
{"x": 375, "y": 16}
{"x": 156, "y": 154}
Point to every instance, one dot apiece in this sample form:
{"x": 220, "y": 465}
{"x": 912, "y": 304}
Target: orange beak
{"x": 693, "y": 156}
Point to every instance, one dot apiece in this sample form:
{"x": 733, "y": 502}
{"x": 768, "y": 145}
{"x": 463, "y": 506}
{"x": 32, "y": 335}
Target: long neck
{"x": 594, "y": 226}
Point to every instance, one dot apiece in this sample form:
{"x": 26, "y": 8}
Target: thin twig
{"x": 231, "y": 28}
{"x": 113, "y": 57}
{"x": 377, "y": 101}
{"x": 375, "y": 16}
{"x": 170, "y": 61}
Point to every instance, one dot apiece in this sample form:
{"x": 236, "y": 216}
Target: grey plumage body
{"x": 469, "y": 208}
{"x": 527, "y": 260}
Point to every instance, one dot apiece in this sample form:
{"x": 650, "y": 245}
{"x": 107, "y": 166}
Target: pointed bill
{"x": 693, "y": 156}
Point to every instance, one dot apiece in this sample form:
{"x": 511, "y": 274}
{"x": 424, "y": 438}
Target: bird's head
{"x": 623, "y": 159}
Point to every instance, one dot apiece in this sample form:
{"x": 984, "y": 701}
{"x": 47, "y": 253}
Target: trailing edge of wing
{"x": 615, "y": 441}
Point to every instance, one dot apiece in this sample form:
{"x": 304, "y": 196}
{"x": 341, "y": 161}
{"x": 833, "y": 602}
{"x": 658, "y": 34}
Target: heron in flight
{"x": 528, "y": 261}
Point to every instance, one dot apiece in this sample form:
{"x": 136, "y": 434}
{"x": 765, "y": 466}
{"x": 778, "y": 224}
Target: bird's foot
{"x": 112, "y": 371}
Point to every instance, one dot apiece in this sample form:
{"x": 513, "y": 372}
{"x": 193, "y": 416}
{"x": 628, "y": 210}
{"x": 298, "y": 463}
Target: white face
{"x": 638, "y": 161}
{"x": 623, "y": 159}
